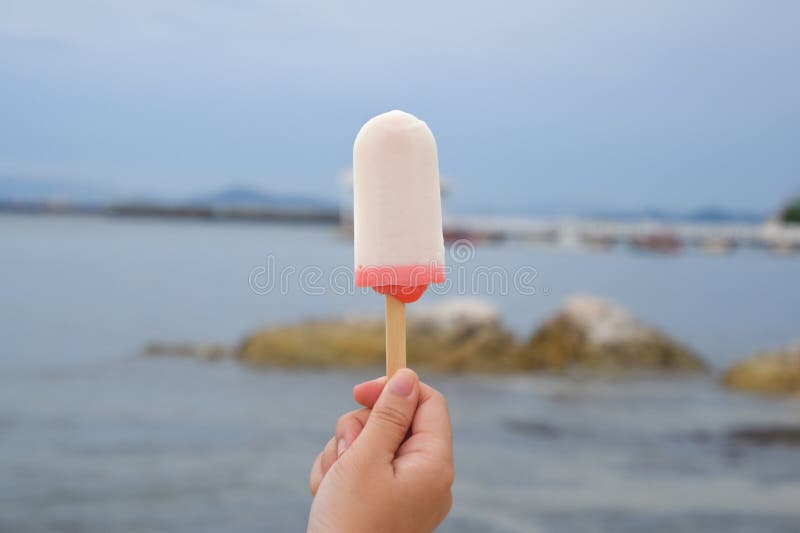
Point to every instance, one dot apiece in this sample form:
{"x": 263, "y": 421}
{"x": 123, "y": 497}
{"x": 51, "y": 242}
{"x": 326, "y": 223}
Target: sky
{"x": 610, "y": 105}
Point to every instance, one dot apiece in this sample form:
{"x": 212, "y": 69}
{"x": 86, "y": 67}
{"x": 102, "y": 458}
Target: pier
{"x": 657, "y": 236}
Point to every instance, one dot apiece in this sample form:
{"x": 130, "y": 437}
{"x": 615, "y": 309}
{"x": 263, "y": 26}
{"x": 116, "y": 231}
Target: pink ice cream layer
{"x": 401, "y": 276}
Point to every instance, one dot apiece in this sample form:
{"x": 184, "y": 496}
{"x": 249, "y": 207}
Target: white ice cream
{"x": 397, "y": 201}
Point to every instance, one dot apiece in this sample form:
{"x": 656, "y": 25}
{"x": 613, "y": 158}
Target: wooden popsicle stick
{"x": 395, "y": 335}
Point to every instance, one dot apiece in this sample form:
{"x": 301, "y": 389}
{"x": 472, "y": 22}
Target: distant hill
{"x": 705, "y": 214}
{"x": 37, "y": 190}
{"x": 249, "y": 197}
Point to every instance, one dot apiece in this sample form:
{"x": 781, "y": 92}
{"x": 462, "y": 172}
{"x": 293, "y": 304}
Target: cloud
{"x": 572, "y": 38}
{"x": 565, "y": 101}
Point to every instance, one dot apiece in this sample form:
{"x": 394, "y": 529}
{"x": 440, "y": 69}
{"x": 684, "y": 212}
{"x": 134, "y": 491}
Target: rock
{"x": 467, "y": 335}
{"x": 201, "y": 351}
{"x": 590, "y": 333}
{"x": 767, "y": 373}
{"x": 455, "y": 335}
{"x": 766, "y": 435}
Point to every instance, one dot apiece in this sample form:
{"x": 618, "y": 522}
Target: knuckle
{"x": 438, "y": 398}
{"x": 450, "y": 476}
{"x": 391, "y": 417}
{"x": 444, "y": 476}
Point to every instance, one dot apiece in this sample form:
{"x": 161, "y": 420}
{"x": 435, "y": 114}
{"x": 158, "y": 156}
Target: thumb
{"x": 391, "y": 417}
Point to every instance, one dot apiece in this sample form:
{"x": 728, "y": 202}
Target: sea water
{"x": 96, "y": 437}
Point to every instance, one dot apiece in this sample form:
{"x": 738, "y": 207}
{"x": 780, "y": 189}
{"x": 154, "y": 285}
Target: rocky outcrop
{"x": 590, "y": 333}
{"x": 457, "y": 335}
{"x": 461, "y": 335}
{"x": 767, "y": 373}
{"x": 466, "y": 335}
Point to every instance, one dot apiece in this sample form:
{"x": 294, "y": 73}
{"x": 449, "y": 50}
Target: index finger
{"x": 367, "y": 393}
{"x": 432, "y": 414}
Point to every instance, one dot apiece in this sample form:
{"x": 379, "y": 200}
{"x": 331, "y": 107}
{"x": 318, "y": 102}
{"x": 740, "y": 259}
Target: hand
{"x": 389, "y": 467}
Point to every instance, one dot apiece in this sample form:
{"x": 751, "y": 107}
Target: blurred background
{"x": 171, "y": 172}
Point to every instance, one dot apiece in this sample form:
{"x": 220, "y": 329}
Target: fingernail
{"x": 340, "y": 447}
{"x": 402, "y": 383}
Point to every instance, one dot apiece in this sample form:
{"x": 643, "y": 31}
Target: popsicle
{"x": 397, "y": 217}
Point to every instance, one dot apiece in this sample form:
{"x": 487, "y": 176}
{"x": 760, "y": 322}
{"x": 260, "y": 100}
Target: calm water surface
{"x": 96, "y": 438}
